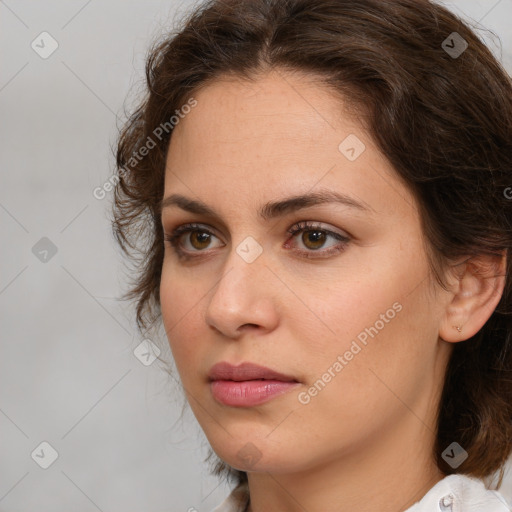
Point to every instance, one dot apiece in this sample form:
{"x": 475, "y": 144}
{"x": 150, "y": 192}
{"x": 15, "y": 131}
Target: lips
{"x": 246, "y": 371}
{"x": 248, "y": 384}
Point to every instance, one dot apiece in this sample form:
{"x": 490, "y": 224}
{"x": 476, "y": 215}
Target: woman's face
{"x": 343, "y": 307}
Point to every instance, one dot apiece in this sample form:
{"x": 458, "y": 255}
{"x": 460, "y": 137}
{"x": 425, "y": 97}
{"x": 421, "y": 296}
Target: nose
{"x": 244, "y": 298}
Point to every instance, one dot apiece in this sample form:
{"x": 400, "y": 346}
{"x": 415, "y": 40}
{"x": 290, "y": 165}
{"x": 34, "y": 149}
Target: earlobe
{"x": 476, "y": 293}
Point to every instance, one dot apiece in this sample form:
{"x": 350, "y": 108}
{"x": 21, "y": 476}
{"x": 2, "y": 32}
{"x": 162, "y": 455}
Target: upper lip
{"x": 245, "y": 371}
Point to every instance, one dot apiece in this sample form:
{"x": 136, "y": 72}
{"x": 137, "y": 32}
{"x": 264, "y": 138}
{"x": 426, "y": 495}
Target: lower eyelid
{"x": 326, "y": 253}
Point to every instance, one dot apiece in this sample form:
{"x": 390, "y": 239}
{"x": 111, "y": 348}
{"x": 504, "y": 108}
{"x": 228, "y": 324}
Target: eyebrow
{"x": 271, "y": 209}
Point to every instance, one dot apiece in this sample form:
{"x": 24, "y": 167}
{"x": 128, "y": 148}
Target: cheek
{"x": 352, "y": 387}
{"x": 368, "y": 281}
{"x": 180, "y": 293}
{"x": 181, "y": 310}
{"x": 380, "y": 320}
{"x": 336, "y": 314}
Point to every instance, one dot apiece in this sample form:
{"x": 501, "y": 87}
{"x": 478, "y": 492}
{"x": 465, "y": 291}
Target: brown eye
{"x": 314, "y": 239}
{"x": 191, "y": 238}
{"x": 199, "y": 239}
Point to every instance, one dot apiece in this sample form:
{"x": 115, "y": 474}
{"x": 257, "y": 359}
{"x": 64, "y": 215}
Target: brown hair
{"x": 444, "y": 121}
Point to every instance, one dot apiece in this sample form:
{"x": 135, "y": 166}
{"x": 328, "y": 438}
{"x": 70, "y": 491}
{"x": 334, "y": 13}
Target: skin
{"x": 372, "y": 427}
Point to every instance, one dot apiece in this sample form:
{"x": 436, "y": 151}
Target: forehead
{"x": 262, "y": 138}
{"x": 289, "y": 106}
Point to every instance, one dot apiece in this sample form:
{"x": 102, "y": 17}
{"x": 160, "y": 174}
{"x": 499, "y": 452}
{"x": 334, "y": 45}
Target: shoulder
{"x": 237, "y": 501}
{"x": 454, "y": 493}
{"x": 461, "y": 493}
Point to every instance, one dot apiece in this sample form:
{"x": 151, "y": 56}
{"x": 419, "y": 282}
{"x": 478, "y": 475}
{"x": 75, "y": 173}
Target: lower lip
{"x": 247, "y": 393}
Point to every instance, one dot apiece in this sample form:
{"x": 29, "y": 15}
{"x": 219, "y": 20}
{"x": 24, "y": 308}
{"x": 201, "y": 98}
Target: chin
{"x": 259, "y": 454}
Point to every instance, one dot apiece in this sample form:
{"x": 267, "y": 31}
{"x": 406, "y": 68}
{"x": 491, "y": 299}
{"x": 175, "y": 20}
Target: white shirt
{"x": 454, "y": 493}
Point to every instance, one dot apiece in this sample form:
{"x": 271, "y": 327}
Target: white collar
{"x": 454, "y": 493}
{"x": 461, "y": 493}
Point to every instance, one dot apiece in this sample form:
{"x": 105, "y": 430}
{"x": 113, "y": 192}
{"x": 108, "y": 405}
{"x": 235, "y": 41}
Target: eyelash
{"x": 176, "y": 234}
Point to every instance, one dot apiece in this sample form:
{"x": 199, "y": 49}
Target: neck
{"x": 389, "y": 474}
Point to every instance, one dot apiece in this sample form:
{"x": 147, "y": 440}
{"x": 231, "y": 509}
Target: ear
{"x": 477, "y": 290}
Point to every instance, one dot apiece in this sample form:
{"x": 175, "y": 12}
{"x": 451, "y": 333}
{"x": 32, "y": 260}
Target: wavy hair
{"x": 444, "y": 121}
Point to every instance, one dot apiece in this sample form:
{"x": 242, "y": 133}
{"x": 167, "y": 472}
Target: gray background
{"x": 68, "y": 372}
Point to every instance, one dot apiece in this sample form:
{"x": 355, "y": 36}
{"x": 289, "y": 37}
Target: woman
{"x": 319, "y": 192}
